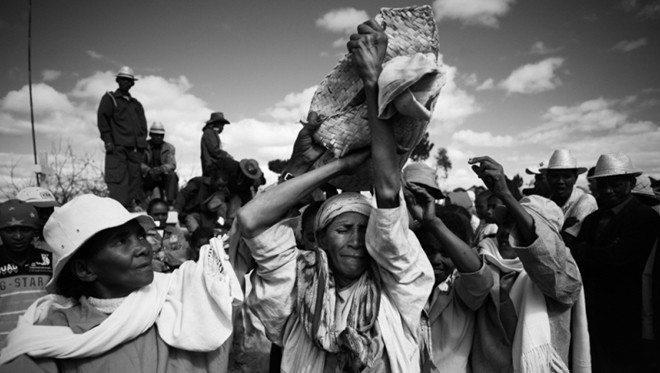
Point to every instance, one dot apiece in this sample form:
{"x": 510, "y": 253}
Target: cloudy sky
{"x": 523, "y": 77}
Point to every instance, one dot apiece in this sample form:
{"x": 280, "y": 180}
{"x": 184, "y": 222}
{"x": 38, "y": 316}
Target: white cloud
{"x": 598, "y": 126}
{"x": 94, "y": 55}
{"x": 485, "y": 139}
{"x": 486, "y": 85}
{"x": 71, "y": 116}
{"x": 626, "y": 46}
{"x": 50, "y": 75}
{"x": 342, "y": 20}
{"x": 481, "y": 12}
{"x": 540, "y": 48}
{"x": 341, "y": 42}
{"x": 534, "y": 78}
{"x": 454, "y": 104}
{"x": 293, "y": 107}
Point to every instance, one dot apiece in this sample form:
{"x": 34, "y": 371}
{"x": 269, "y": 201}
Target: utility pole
{"x": 34, "y": 139}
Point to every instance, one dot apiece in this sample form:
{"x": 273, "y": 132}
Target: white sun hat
{"x": 71, "y": 225}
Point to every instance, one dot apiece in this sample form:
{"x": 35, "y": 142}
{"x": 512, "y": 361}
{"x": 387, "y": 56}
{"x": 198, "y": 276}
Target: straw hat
{"x": 217, "y": 117}
{"x": 37, "y": 197}
{"x": 425, "y": 176}
{"x": 535, "y": 170}
{"x": 643, "y": 188}
{"x": 157, "y": 128}
{"x": 563, "y": 159}
{"x": 126, "y": 72}
{"x": 250, "y": 168}
{"x": 616, "y": 164}
{"x": 340, "y": 100}
{"x": 77, "y": 221}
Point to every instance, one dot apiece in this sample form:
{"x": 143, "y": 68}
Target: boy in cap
{"x": 107, "y": 309}
{"x": 44, "y": 202}
{"x": 611, "y": 251}
{"x": 24, "y": 269}
{"x": 123, "y": 129}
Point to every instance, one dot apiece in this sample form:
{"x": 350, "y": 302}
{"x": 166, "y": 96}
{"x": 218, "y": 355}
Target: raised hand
{"x": 368, "y": 47}
{"x": 492, "y": 174}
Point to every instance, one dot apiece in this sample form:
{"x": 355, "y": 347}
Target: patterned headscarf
{"x": 339, "y": 204}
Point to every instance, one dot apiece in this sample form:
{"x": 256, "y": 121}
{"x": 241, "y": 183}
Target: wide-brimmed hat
{"x": 16, "y": 213}
{"x": 563, "y": 159}
{"x": 157, "y": 128}
{"x": 614, "y": 164}
{"x": 71, "y": 225}
{"x": 425, "y": 176}
{"x": 250, "y": 168}
{"x": 535, "y": 170}
{"x": 643, "y": 188}
{"x": 37, "y": 197}
{"x": 126, "y": 72}
{"x": 217, "y": 117}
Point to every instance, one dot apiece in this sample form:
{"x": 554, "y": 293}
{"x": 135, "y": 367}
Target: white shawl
{"x": 192, "y": 308}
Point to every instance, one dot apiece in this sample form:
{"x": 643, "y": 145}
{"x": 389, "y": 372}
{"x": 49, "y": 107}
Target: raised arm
{"x": 270, "y": 206}
{"x": 493, "y": 176}
{"x": 368, "y": 49}
{"x": 422, "y": 208}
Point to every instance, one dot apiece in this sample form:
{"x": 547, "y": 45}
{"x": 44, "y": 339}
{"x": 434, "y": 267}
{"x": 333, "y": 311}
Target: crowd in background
{"x": 404, "y": 278}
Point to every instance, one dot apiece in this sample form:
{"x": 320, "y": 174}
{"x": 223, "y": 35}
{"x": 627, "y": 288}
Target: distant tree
{"x": 517, "y": 181}
{"x": 72, "y": 174}
{"x": 443, "y": 162}
{"x": 277, "y": 165}
{"x": 422, "y": 151}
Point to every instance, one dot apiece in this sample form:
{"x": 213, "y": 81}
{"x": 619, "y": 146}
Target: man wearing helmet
{"x": 158, "y": 166}
{"x": 123, "y": 129}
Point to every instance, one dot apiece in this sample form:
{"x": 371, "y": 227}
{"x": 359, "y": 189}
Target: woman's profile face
{"x": 344, "y": 242}
{"x": 121, "y": 261}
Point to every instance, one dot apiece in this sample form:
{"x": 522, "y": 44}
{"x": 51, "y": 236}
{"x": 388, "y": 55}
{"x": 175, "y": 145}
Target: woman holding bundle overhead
{"x": 354, "y": 303}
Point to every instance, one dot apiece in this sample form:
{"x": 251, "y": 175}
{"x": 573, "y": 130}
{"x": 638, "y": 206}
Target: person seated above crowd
{"x": 109, "y": 311}
{"x": 202, "y": 201}
{"x": 159, "y": 178}
{"x": 354, "y": 303}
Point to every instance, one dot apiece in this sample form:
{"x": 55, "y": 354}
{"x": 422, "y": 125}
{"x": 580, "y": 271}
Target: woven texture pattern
{"x": 340, "y": 97}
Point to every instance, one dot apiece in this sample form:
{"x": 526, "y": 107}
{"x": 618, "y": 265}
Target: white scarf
{"x": 197, "y": 319}
{"x": 532, "y": 349}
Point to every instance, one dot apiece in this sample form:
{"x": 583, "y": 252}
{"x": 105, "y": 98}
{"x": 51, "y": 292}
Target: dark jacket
{"x": 211, "y": 149}
{"x": 611, "y": 263}
{"x": 191, "y": 197}
{"x": 167, "y": 158}
{"x": 121, "y": 121}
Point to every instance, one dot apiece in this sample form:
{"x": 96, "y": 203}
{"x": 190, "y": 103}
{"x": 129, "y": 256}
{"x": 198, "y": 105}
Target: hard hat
{"x": 126, "y": 72}
{"x": 157, "y": 128}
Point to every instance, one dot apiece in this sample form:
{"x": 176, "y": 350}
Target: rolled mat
{"x": 340, "y": 101}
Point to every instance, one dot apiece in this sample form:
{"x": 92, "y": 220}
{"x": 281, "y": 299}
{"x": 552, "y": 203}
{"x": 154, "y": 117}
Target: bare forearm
{"x": 268, "y": 207}
{"x": 387, "y": 179}
{"x": 524, "y": 221}
{"x": 465, "y": 259}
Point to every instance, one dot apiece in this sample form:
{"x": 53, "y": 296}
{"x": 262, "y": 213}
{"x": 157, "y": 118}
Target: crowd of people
{"x": 407, "y": 278}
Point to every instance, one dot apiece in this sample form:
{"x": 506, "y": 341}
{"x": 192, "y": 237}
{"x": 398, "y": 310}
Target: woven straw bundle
{"x": 340, "y": 96}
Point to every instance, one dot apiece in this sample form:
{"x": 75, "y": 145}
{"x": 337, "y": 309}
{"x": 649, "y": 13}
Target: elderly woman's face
{"x": 122, "y": 262}
{"x": 344, "y": 242}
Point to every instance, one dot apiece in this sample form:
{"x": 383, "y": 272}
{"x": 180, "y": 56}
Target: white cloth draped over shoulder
{"x": 192, "y": 308}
